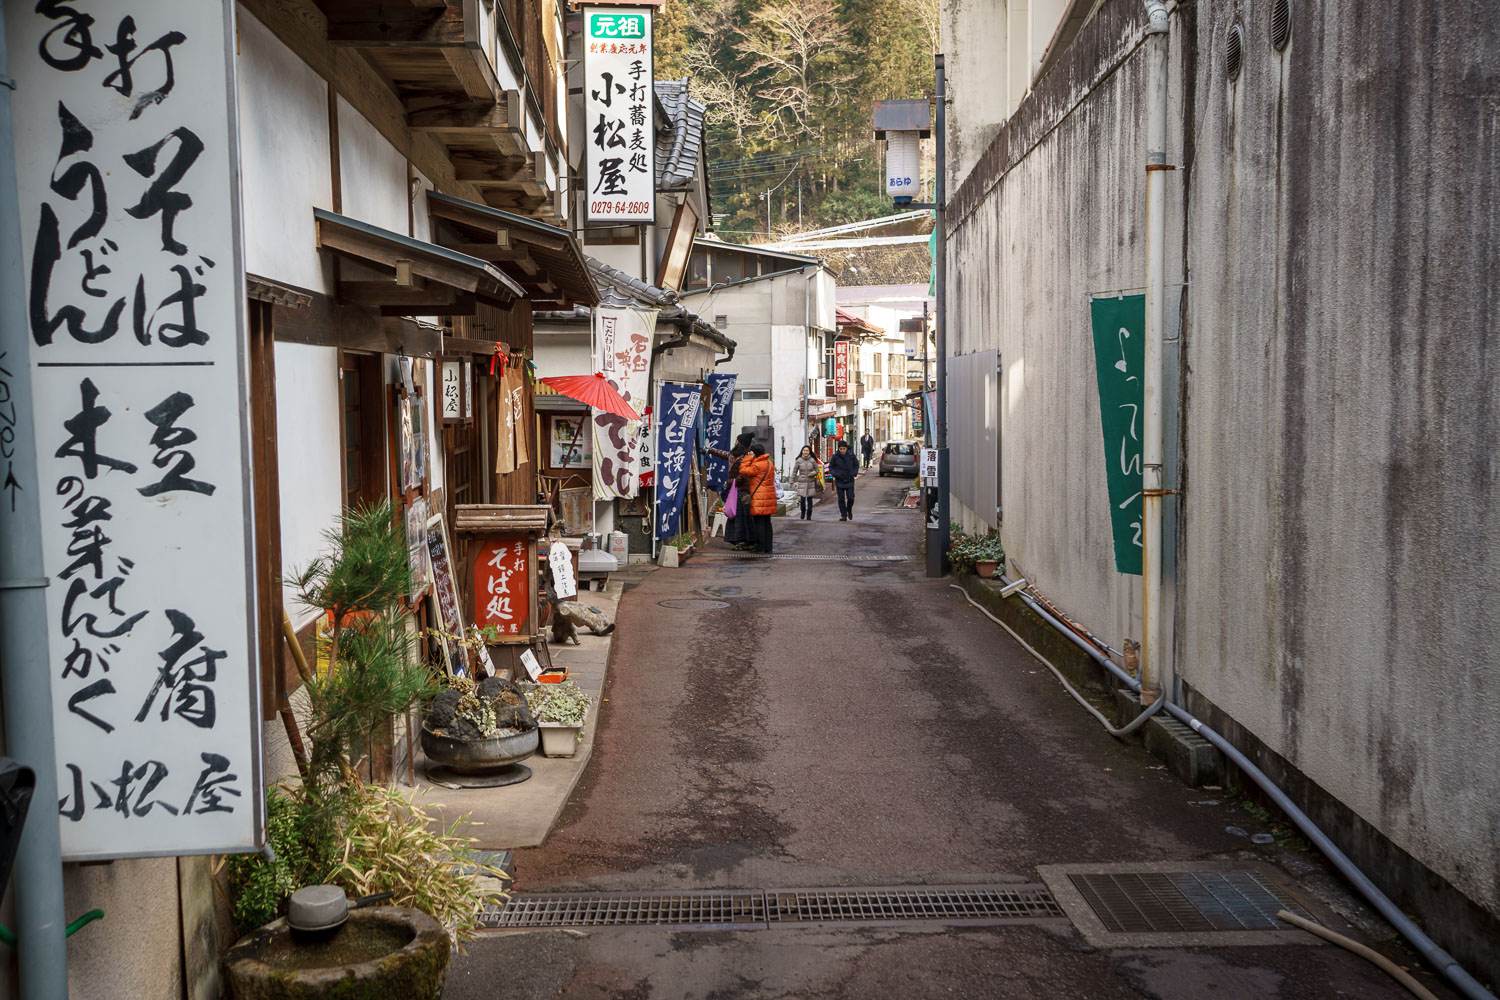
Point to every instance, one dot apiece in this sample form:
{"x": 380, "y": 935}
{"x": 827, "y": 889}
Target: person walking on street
{"x": 867, "y": 447}
{"x": 805, "y": 481}
{"x": 740, "y": 531}
{"x": 844, "y": 469}
{"x": 759, "y": 473}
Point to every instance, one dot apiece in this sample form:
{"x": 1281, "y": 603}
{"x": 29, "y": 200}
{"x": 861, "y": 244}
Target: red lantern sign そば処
{"x": 502, "y": 584}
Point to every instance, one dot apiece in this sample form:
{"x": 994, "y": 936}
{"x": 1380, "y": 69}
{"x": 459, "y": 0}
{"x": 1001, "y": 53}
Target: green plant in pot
{"x": 560, "y": 711}
{"x": 334, "y": 824}
{"x": 980, "y": 554}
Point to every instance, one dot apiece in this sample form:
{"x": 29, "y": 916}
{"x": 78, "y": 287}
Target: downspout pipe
{"x": 1438, "y": 958}
{"x": 25, "y": 671}
{"x": 1152, "y": 653}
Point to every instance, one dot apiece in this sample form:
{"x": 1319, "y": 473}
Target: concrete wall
{"x": 1340, "y": 521}
{"x": 1341, "y": 428}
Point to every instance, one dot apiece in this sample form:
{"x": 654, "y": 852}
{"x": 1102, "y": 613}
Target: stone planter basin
{"x": 478, "y": 756}
{"x": 382, "y": 951}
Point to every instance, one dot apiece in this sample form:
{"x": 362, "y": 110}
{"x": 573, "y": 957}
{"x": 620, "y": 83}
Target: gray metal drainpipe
{"x": 25, "y": 673}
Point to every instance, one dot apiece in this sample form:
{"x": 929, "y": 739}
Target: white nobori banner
{"x": 127, "y": 170}
{"x": 622, "y": 352}
{"x": 617, "y": 102}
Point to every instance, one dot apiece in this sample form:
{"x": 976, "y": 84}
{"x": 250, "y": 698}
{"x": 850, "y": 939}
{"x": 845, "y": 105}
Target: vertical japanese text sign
{"x": 128, "y": 174}
{"x": 622, "y": 354}
{"x": 841, "y": 368}
{"x": 676, "y": 413}
{"x": 1119, "y": 356}
{"x": 720, "y": 412}
{"x": 617, "y": 103}
{"x": 502, "y": 584}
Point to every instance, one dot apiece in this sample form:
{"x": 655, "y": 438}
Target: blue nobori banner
{"x": 720, "y": 409}
{"x": 676, "y": 410}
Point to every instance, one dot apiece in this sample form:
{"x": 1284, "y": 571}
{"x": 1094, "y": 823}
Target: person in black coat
{"x": 844, "y": 467}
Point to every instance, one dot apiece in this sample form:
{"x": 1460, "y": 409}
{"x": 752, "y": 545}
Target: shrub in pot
{"x": 560, "y": 711}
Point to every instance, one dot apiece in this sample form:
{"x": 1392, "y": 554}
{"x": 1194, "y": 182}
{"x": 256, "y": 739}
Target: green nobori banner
{"x": 1119, "y": 356}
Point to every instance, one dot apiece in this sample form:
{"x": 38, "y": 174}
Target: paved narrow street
{"x": 847, "y": 722}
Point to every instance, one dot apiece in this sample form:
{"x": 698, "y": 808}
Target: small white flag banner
{"x": 622, "y": 353}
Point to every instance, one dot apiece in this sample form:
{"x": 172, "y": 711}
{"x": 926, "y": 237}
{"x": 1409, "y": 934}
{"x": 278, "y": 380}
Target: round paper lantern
{"x": 839, "y": 433}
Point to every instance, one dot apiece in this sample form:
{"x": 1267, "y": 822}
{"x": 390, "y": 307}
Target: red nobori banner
{"x": 502, "y": 584}
{"x": 841, "y": 368}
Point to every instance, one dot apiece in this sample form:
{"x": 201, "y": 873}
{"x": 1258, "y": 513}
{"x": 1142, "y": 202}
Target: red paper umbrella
{"x": 593, "y": 390}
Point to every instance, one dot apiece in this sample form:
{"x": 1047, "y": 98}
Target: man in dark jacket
{"x": 867, "y": 448}
{"x": 844, "y": 467}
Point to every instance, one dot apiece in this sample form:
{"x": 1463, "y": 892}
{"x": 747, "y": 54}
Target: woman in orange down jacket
{"x": 759, "y": 474}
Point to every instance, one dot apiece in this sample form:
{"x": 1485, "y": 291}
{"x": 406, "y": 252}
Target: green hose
{"x": 8, "y": 936}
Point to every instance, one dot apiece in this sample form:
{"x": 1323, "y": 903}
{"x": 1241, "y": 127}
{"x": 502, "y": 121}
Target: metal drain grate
{"x": 693, "y": 604}
{"x": 761, "y": 909}
{"x": 636, "y": 909}
{"x": 1149, "y": 902}
{"x": 942, "y": 904}
{"x": 805, "y": 556}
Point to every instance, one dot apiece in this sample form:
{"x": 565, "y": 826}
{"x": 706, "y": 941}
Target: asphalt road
{"x": 849, "y": 723}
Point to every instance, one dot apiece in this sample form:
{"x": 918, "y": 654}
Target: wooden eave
{"x": 444, "y": 282}
{"x": 546, "y": 260}
{"x": 431, "y": 54}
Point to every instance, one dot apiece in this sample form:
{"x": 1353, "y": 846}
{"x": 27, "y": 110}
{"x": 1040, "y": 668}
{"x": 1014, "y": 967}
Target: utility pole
{"x": 41, "y": 939}
{"x": 922, "y": 399}
{"x": 937, "y": 513}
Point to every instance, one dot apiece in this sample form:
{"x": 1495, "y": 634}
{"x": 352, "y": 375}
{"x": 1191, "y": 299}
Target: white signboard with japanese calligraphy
{"x": 622, "y": 353}
{"x": 560, "y": 561}
{"x": 125, "y": 146}
{"x": 929, "y": 466}
{"x": 617, "y": 104}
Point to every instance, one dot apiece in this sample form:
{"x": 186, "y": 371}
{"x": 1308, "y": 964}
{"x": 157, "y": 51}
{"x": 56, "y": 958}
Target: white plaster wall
{"x": 788, "y": 353}
{"x": 421, "y": 221}
{"x": 308, "y": 457}
{"x": 625, "y": 258}
{"x": 285, "y": 173}
{"x": 563, "y": 351}
{"x": 372, "y": 173}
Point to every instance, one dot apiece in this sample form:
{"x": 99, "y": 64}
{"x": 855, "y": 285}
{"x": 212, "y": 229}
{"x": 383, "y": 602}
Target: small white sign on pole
{"x": 617, "y": 102}
{"x": 929, "y": 466}
{"x": 561, "y": 562}
{"x": 126, "y": 159}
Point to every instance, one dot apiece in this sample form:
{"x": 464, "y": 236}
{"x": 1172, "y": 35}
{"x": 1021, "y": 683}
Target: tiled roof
{"x": 678, "y": 149}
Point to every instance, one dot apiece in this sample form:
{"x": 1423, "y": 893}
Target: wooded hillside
{"x": 790, "y": 86}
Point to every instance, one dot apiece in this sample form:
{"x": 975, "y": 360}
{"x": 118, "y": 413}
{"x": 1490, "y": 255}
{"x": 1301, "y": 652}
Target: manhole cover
{"x": 694, "y": 604}
{"x": 758, "y": 909}
{"x": 1165, "y": 905}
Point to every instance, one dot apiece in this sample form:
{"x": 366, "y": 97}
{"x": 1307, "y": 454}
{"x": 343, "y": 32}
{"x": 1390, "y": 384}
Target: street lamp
{"x": 903, "y": 125}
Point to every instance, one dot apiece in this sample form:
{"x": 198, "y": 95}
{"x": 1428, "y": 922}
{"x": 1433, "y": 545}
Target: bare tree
{"x": 729, "y": 102}
{"x": 793, "y": 47}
